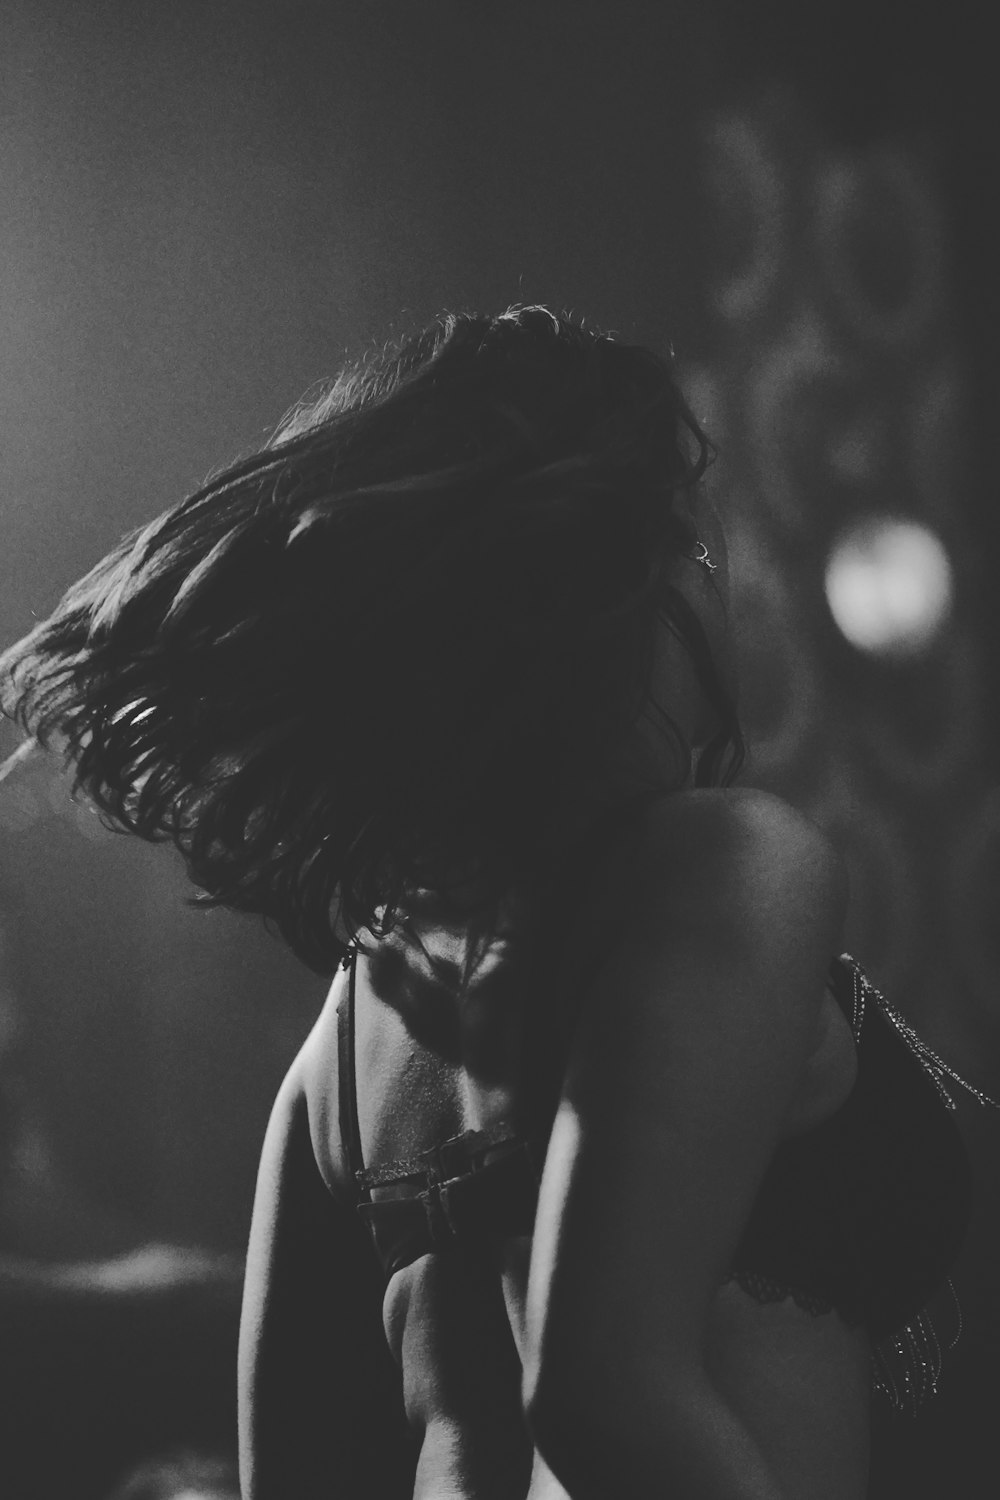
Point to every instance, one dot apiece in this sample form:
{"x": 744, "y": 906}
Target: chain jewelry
{"x": 933, "y": 1065}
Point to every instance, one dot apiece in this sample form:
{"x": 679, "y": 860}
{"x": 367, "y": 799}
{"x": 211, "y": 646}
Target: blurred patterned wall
{"x": 838, "y": 389}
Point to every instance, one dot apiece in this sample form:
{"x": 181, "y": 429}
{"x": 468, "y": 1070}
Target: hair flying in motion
{"x": 360, "y": 661}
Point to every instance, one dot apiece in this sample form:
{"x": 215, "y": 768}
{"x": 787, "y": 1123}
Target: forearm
{"x": 319, "y": 1401}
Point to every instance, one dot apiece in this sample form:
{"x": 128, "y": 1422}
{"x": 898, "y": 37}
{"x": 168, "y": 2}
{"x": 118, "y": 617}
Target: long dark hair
{"x": 367, "y": 657}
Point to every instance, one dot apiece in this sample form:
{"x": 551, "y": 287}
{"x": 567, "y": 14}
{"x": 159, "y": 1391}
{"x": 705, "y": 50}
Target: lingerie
{"x": 864, "y": 1214}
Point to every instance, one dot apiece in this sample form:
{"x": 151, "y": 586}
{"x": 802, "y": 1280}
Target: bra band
{"x": 476, "y": 1184}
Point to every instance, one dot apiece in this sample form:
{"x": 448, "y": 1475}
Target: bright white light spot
{"x": 889, "y": 585}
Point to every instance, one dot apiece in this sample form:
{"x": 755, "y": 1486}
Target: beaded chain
{"x": 933, "y": 1065}
{"x": 914, "y": 1354}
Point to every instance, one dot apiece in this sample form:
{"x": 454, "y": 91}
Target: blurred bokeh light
{"x": 889, "y": 585}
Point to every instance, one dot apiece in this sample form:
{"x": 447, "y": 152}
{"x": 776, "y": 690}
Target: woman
{"x": 582, "y": 1183}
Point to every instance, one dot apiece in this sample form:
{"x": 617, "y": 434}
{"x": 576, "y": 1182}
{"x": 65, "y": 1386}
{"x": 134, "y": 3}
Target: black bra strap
{"x": 350, "y": 1129}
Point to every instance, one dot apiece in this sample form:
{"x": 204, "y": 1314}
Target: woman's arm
{"x": 691, "y": 1044}
{"x": 320, "y": 1404}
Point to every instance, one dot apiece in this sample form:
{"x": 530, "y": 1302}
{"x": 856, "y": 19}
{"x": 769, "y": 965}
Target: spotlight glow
{"x": 889, "y": 586}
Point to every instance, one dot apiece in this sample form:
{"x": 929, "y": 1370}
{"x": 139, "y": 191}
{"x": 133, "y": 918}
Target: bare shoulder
{"x": 742, "y": 864}
{"x": 729, "y": 909}
{"x": 706, "y": 828}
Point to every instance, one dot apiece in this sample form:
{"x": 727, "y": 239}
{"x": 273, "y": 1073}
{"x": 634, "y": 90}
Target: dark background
{"x": 203, "y": 209}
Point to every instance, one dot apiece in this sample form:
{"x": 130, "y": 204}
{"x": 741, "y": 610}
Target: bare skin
{"x": 798, "y": 1384}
